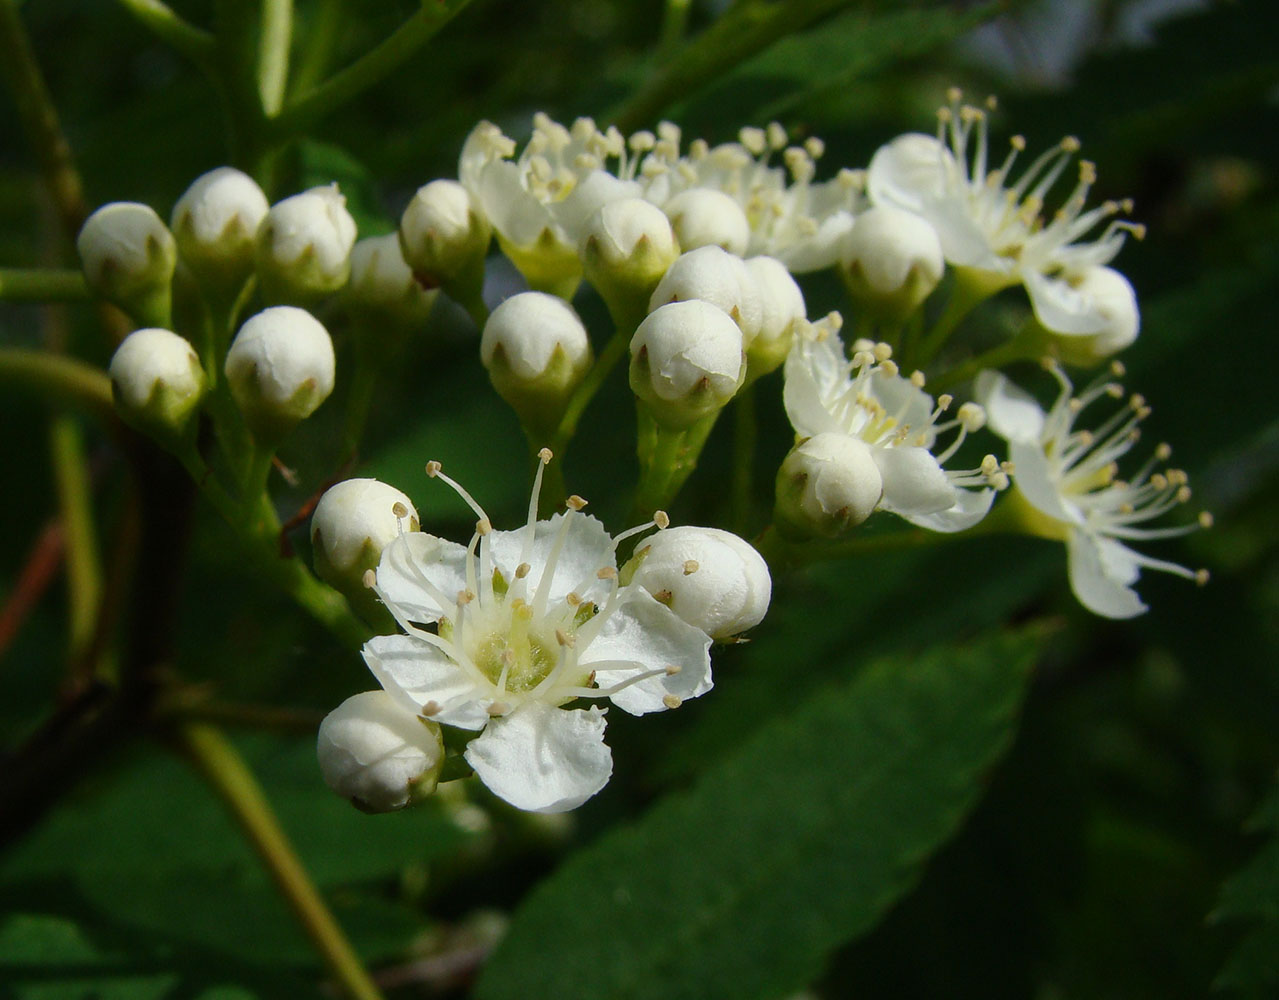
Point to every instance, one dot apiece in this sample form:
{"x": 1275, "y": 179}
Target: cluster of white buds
{"x": 536, "y": 351}
{"x": 158, "y": 384}
{"x": 891, "y": 261}
{"x": 128, "y": 256}
{"x": 445, "y": 236}
{"x": 626, "y": 247}
{"x": 280, "y": 368}
{"x": 304, "y": 247}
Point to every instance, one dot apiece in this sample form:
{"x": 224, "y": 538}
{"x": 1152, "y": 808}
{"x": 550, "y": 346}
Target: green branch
{"x": 64, "y": 378}
{"x": 42, "y": 284}
{"x": 84, "y": 563}
{"x": 220, "y": 763}
{"x": 747, "y": 28}
{"x": 370, "y": 68}
{"x": 273, "y": 54}
{"x": 180, "y": 35}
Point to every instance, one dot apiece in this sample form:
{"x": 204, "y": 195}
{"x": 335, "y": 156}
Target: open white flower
{"x": 869, "y": 400}
{"x": 792, "y": 217}
{"x": 995, "y": 227}
{"x": 502, "y": 635}
{"x": 1071, "y": 478}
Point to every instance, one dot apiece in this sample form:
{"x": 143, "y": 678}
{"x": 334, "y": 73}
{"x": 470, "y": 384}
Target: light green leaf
{"x": 794, "y": 844}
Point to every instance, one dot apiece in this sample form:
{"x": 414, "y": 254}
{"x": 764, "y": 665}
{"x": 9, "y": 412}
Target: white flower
{"x": 353, "y": 523}
{"x": 157, "y": 381}
{"x": 128, "y": 256}
{"x": 790, "y": 216}
{"x": 892, "y": 260}
{"x": 827, "y": 484}
{"x": 687, "y": 361}
{"x": 376, "y": 754}
{"x": 304, "y": 244}
{"x": 710, "y": 578}
{"x": 280, "y": 368}
{"x": 443, "y": 232}
{"x": 539, "y": 202}
{"x": 1071, "y": 478}
{"x": 995, "y": 226}
{"x": 504, "y": 634}
{"x": 867, "y": 398}
{"x": 705, "y": 217}
{"x": 1106, "y": 294}
{"x": 382, "y": 288}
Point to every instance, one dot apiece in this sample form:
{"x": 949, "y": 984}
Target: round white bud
{"x": 280, "y": 368}
{"x": 353, "y": 522}
{"x": 891, "y": 260}
{"x": 536, "y": 351}
{"x": 382, "y": 289}
{"x": 781, "y": 309}
{"x": 826, "y": 485}
{"x": 215, "y": 223}
{"x": 377, "y": 754}
{"x": 157, "y": 382}
{"x": 687, "y": 361}
{"x": 1110, "y": 296}
{"x": 304, "y": 246}
{"x": 626, "y": 246}
{"x": 713, "y": 275}
{"x": 444, "y": 232}
{"x": 704, "y": 217}
{"x": 712, "y": 579}
{"x": 128, "y": 256}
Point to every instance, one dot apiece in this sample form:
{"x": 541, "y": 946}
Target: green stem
{"x": 40, "y": 118}
{"x": 667, "y": 458}
{"x": 166, "y": 24}
{"x": 746, "y": 428}
{"x": 605, "y": 362}
{"x": 674, "y": 22}
{"x": 42, "y": 284}
{"x": 84, "y": 566}
{"x": 971, "y": 289}
{"x": 370, "y": 68}
{"x": 53, "y": 374}
{"x": 360, "y": 400}
{"x": 273, "y": 54}
{"x": 216, "y": 758}
{"x": 325, "y": 28}
{"x": 1010, "y": 351}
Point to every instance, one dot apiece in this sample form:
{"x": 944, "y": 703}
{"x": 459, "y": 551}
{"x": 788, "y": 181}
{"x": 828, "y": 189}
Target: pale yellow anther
{"x": 1018, "y": 142}
{"x": 1201, "y": 576}
{"x": 1070, "y": 144}
{"x": 1139, "y": 231}
{"x": 545, "y": 455}
{"x": 992, "y": 102}
{"x": 432, "y": 707}
{"x": 575, "y": 502}
{"x": 1183, "y": 494}
{"x": 1159, "y": 481}
{"x": 776, "y": 135}
{"x": 1009, "y": 467}
{"x": 690, "y": 566}
{"x": 497, "y": 708}
{"x": 369, "y": 579}
{"x": 1163, "y": 451}
{"x": 1117, "y": 369}
{"x": 483, "y": 526}
{"x": 1126, "y": 508}
{"x": 882, "y": 351}
{"x": 522, "y": 570}
{"x": 889, "y": 368}
{"x": 672, "y": 701}
{"x": 1205, "y": 519}
{"x": 606, "y": 573}
{"x": 565, "y": 638}
{"x": 1075, "y": 405}
{"x": 753, "y": 139}
{"x": 917, "y": 379}
{"x": 944, "y": 401}
{"x": 433, "y": 469}
{"x": 672, "y": 669}
{"x": 954, "y": 95}
{"x": 814, "y": 147}
{"x": 989, "y": 465}
{"x": 572, "y": 599}
{"x": 465, "y": 597}
{"x": 661, "y": 519}
{"x": 399, "y": 510}
{"x": 663, "y": 596}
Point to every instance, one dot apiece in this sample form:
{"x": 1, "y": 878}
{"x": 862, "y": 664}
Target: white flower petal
{"x": 1062, "y": 308}
{"x": 416, "y": 673}
{"x": 1035, "y": 478}
{"x": 543, "y": 759}
{"x": 969, "y": 508}
{"x": 587, "y": 548}
{"x": 422, "y": 575}
{"x": 644, "y": 635}
{"x": 1101, "y": 576}
{"x": 908, "y": 171}
{"x": 914, "y": 483}
{"x": 1011, "y": 412}
{"x": 813, "y": 368}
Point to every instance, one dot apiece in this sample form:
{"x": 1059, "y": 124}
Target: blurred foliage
{"x": 1102, "y": 839}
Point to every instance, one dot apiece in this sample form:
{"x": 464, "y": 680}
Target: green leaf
{"x": 1253, "y": 893}
{"x": 789, "y": 847}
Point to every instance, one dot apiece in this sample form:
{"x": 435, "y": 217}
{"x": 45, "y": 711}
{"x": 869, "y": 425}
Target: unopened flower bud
{"x": 626, "y": 247}
{"x": 825, "y": 486}
{"x": 687, "y": 361}
{"x": 704, "y": 217}
{"x": 781, "y": 309}
{"x": 157, "y": 383}
{"x": 382, "y": 289}
{"x": 1106, "y": 294}
{"x": 353, "y": 522}
{"x": 444, "y": 234}
{"x": 536, "y": 351}
{"x": 128, "y": 255}
{"x": 710, "y": 578}
{"x": 713, "y": 275}
{"x": 891, "y": 261}
{"x": 304, "y": 246}
{"x": 215, "y": 223}
{"x": 378, "y": 754}
{"x": 280, "y": 368}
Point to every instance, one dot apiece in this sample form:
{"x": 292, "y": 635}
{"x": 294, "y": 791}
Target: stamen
{"x": 690, "y": 567}
{"x": 672, "y": 701}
